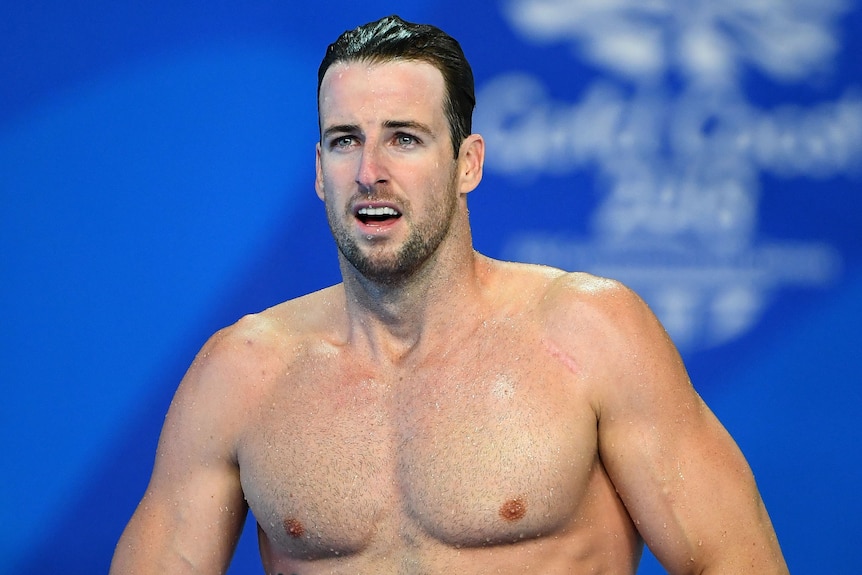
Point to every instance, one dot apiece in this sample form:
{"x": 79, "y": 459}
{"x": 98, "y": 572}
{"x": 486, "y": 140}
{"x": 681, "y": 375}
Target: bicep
{"x": 192, "y": 513}
{"x": 193, "y": 528}
{"x": 684, "y": 482}
{"x": 683, "y": 479}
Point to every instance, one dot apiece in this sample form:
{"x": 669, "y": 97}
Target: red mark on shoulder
{"x": 513, "y": 509}
{"x": 562, "y": 357}
{"x": 293, "y": 527}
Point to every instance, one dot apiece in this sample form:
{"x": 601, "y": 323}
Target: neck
{"x": 396, "y": 319}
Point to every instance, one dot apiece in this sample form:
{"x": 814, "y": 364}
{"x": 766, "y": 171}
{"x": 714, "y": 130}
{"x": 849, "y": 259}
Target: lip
{"x": 371, "y": 226}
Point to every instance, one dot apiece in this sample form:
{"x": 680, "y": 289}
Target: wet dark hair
{"x": 392, "y": 38}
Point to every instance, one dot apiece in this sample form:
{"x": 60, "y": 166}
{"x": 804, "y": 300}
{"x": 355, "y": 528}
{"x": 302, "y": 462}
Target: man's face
{"x": 385, "y": 166}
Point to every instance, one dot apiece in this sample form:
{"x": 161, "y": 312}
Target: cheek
{"x": 338, "y": 173}
{"x": 331, "y": 177}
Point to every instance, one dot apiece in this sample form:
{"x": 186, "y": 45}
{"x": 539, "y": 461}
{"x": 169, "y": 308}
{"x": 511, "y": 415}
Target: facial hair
{"x": 394, "y": 267}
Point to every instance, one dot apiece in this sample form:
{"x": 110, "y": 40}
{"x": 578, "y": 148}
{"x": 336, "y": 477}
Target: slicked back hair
{"x": 392, "y": 38}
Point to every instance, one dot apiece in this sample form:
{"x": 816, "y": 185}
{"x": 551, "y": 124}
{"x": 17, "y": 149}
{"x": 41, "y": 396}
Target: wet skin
{"x": 439, "y": 411}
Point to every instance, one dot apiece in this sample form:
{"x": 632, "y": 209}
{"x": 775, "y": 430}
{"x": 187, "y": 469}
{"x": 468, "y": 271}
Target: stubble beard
{"x": 393, "y": 267}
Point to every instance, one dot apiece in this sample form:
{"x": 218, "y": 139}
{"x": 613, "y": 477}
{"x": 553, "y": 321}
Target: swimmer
{"x": 438, "y": 411}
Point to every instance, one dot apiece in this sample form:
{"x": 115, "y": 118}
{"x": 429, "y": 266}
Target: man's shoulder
{"x": 598, "y": 324}
{"x": 560, "y": 289}
{"x": 255, "y": 335}
{"x": 580, "y": 302}
{"x": 588, "y": 312}
{"x": 291, "y": 317}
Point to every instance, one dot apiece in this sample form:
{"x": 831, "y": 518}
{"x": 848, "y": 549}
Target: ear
{"x": 471, "y": 159}
{"x": 318, "y": 180}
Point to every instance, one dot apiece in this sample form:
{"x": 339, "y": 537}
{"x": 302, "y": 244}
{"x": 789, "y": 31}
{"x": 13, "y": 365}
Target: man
{"x": 439, "y": 412}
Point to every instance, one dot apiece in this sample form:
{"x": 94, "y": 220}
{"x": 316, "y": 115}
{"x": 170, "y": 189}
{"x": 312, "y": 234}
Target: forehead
{"x": 379, "y": 91}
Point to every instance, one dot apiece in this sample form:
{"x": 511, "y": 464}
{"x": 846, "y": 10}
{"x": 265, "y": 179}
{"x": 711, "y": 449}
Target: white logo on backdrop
{"x": 678, "y": 147}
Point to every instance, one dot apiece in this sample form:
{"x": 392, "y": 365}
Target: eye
{"x": 342, "y": 142}
{"x": 406, "y": 140}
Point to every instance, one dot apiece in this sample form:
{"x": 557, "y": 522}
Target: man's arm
{"x": 683, "y": 479}
{"x": 192, "y": 513}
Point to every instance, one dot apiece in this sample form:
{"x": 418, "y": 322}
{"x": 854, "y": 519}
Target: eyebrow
{"x": 339, "y": 129}
{"x": 409, "y": 124}
{"x": 389, "y": 124}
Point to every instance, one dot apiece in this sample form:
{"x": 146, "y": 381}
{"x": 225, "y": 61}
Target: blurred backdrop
{"x": 156, "y": 183}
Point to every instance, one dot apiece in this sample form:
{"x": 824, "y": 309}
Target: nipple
{"x": 293, "y": 527}
{"x": 513, "y": 509}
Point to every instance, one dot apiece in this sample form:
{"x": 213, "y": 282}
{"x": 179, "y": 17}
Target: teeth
{"x": 377, "y": 212}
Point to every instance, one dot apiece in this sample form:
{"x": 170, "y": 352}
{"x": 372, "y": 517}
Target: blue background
{"x": 156, "y": 183}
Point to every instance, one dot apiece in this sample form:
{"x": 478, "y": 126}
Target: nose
{"x": 371, "y": 170}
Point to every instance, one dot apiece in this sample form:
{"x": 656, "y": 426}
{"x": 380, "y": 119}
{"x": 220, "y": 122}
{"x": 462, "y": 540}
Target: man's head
{"x": 392, "y": 38}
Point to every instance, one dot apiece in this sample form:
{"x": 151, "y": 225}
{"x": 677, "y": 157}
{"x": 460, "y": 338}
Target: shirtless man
{"x": 439, "y": 412}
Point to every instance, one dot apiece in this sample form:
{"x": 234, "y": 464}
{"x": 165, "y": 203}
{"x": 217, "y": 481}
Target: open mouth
{"x": 375, "y": 216}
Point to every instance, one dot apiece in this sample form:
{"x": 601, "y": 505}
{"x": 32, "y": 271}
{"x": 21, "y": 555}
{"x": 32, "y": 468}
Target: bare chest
{"x": 471, "y": 450}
